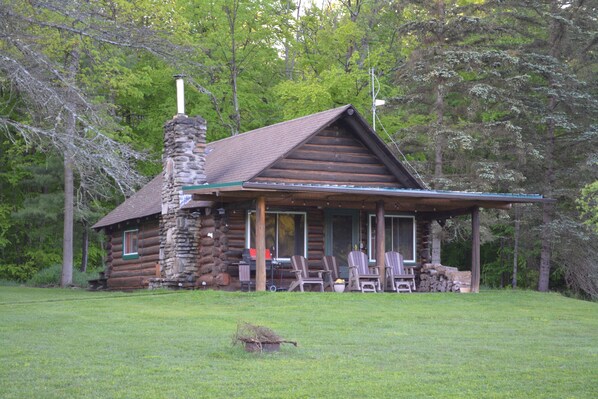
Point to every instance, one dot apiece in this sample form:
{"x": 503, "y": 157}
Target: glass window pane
{"x": 395, "y": 235}
{"x": 270, "y": 230}
{"x": 406, "y": 238}
{"x": 398, "y": 235}
{"x": 388, "y": 223}
{"x": 291, "y": 233}
{"x": 372, "y": 242}
{"x": 291, "y": 229}
{"x": 388, "y": 235}
{"x": 130, "y": 242}
{"x": 342, "y": 237}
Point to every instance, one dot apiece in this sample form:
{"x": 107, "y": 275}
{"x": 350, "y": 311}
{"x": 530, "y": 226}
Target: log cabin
{"x": 323, "y": 184}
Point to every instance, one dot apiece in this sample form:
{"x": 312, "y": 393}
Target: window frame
{"x": 130, "y": 255}
{"x": 371, "y": 226}
{"x": 248, "y": 231}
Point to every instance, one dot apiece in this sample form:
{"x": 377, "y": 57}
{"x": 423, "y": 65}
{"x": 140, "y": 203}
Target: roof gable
{"x": 346, "y": 152}
{"x": 335, "y": 155}
{"x": 241, "y": 157}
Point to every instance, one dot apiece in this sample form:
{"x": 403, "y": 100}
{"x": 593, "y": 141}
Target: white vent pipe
{"x": 180, "y": 94}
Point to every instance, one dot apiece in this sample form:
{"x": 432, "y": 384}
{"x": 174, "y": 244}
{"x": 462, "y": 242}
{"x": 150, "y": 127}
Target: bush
{"x": 17, "y": 272}
{"x": 50, "y": 277}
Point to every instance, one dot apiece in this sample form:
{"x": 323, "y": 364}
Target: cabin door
{"x": 342, "y": 235}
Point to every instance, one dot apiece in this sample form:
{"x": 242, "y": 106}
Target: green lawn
{"x": 496, "y": 344}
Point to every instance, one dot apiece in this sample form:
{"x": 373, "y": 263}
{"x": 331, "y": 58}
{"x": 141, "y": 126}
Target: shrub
{"x": 50, "y": 276}
{"x": 17, "y": 272}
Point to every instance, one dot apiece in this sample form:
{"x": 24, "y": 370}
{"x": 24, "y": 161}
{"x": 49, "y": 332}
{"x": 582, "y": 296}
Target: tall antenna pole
{"x": 373, "y": 101}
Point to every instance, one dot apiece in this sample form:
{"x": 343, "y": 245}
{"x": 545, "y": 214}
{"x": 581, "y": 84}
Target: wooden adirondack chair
{"x": 331, "y": 271}
{"x": 398, "y": 277}
{"x": 362, "y": 277}
{"x": 302, "y": 274}
{"x": 245, "y": 275}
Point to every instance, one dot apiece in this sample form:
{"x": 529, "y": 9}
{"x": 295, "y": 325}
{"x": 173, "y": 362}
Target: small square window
{"x": 130, "y": 244}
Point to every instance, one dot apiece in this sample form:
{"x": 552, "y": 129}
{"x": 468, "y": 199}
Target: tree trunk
{"x": 439, "y": 139}
{"x": 234, "y": 68}
{"x": 84, "y": 247}
{"x": 516, "y": 248}
{"x": 69, "y": 190}
{"x": 475, "y": 250}
{"x": 69, "y": 210}
{"x": 556, "y": 34}
{"x": 437, "y": 228}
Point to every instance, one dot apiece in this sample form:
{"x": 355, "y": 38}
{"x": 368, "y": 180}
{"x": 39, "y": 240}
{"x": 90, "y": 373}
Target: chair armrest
{"x": 318, "y": 272}
{"x": 409, "y": 269}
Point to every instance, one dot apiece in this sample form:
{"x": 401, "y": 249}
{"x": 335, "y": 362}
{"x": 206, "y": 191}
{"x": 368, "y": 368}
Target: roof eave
{"x": 405, "y": 193}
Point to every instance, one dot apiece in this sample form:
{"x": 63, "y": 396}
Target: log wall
{"x": 332, "y": 157}
{"x": 233, "y": 236}
{"x": 129, "y": 274}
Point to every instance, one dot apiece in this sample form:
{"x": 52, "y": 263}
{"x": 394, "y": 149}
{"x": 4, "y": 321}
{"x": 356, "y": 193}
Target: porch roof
{"x": 346, "y": 196}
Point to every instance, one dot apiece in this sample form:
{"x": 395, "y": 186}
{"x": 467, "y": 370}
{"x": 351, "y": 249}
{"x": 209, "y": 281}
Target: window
{"x": 399, "y": 232}
{"x": 130, "y": 242}
{"x": 286, "y": 232}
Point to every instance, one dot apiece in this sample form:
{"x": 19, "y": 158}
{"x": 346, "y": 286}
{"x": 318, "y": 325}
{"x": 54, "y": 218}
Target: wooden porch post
{"x": 260, "y": 245}
{"x": 475, "y": 250}
{"x": 380, "y": 242}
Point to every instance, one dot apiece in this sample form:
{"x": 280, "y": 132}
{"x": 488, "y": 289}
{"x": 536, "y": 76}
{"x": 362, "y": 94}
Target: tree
{"x": 557, "y": 48}
{"x": 48, "y": 45}
{"x": 237, "y": 44}
{"x": 588, "y": 203}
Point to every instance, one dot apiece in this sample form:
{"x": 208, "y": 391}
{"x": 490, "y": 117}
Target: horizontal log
{"x": 340, "y": 154}
{"x": 333, "y": 132}
{"x": 335, "y": 141}
{"x": 138, "y": 266}
{"x": 302, "y": 181}
{"x": 117, "y": 236}
{"x": 126, "y": 282}
{"x": 149, "y": 241}
{"x": 328, "y": 176}
{"x": 133, "y": 273}
{"x": 207, "y": 221}
{"x": 142, "y": 259}
{"x": 151, "y": 251}
{"x": 341, "y": 167}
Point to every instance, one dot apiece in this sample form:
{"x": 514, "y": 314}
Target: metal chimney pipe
{"x": 180, "y": 94}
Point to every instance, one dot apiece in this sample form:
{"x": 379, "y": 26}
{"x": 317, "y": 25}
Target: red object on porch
{"x": 253, "y": 254}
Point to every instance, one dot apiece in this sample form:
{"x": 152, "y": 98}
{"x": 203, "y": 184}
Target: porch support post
{"x": 380, "y": 241}
{"x": 260, "y": 245}
{"x": 475, "y": 250}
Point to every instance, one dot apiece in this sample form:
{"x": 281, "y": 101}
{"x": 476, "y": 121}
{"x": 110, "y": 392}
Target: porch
{"x": 317, "y": 220}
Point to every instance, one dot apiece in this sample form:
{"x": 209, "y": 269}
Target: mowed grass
{"x": 496, "y": 344}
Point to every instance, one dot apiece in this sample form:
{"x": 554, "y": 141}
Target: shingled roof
{"x": 241, "y": 157}
{"x": 233, "y": 159}
{"x": 145, "y": 202}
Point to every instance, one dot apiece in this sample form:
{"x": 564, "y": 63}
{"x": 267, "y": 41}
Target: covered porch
{"x": 321, "y": 219}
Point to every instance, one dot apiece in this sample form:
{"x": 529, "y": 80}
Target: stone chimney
{"x": 183, "y": 162}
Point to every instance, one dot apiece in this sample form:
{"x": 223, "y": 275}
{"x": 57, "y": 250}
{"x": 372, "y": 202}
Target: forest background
{"x": 497, "y": 96}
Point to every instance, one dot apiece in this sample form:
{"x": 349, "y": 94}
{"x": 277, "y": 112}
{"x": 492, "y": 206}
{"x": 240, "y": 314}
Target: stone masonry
{"x": 183, "y": 162}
